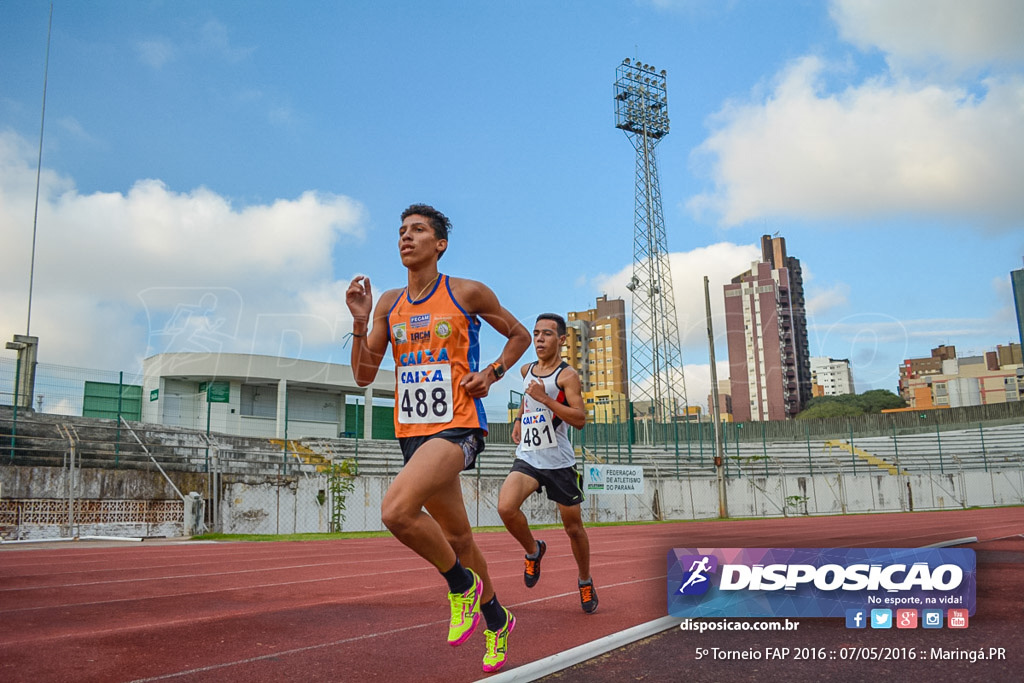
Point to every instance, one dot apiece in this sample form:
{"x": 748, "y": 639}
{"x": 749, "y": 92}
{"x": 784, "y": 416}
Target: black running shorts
{"x": 471, "y": 439}
{"x": 564, "y": 486}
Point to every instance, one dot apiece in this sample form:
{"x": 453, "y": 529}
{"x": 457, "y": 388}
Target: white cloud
{"x": 876, "y": 344}
{"x": 956, "y": 34}
{"x": 1006, "y": 312}
{"x": 210, "y": 38}
{"x": 882, "y": 148}
{"x": 822, "y": 301}
{"x": 155, "y": 52}
{"x": 119, "y": 276}
{"x": 213, "y": 35}
{"x": 70, "y": 125}
{"x": 720, "y": 263}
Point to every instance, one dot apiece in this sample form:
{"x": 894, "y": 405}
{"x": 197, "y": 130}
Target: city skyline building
{"x": 944, "y": 380}
{"x": 766, "y": 329}
{"x": 1017, "y": 284}
{"x": 831, "y": 376}
{"x": 595, "y": 346}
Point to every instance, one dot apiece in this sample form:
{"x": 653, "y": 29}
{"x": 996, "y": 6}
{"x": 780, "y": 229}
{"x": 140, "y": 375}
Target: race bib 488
{"x": 425, "y": 394}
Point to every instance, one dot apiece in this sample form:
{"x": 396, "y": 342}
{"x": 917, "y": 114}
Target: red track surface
{"x": 368, "y": 609}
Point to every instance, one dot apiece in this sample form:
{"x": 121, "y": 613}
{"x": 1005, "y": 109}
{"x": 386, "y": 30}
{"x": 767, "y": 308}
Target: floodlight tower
{"x": 656, "y": 360}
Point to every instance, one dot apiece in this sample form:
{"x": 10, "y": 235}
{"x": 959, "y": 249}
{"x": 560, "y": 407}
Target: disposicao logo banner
{"x": 817, "y": 582}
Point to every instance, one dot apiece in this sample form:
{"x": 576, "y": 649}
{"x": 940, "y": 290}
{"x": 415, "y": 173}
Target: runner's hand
{"x": 536, "y": 391}
{"x": 359, "y": 297}
{"x": 477, "y": 384}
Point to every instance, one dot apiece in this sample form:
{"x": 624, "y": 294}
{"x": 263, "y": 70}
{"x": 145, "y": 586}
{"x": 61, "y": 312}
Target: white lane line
{"x": 563, "y": 660}
{"x": 951, "y": 542}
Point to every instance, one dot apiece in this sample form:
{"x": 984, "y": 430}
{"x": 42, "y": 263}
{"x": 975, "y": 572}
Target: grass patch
{"x": 383, "y": 534}
{"x": 290, "y": 537}
{"x": 490, "y": 529}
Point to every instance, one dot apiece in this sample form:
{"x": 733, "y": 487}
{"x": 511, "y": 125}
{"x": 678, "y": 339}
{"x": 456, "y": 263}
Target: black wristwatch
{"x": 499, "y": 370}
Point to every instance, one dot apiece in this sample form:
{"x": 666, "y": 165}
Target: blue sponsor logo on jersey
{"x": 417, "y": 321}
{"x": 418, "y": 376}
{"x": 424, "y": 356}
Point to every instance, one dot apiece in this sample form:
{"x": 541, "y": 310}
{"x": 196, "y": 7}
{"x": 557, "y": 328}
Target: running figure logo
{"x": 696, "y": 580}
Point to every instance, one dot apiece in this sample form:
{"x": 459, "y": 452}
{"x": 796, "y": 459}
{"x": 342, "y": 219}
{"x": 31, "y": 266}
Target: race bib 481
{"x": 538, "y": 430}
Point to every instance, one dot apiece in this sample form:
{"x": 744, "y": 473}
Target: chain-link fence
{"x": 80, "y": 462}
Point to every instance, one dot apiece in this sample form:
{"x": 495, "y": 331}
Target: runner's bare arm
{"x": 478, "y": 299}
{"x": 369, "y": 342}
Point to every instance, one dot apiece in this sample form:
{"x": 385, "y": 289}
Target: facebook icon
{"x": 856, "y": 618}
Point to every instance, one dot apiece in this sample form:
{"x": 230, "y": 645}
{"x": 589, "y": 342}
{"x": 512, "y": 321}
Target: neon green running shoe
{"x": 497, "y": 644}
{"x": 465, "y": 612}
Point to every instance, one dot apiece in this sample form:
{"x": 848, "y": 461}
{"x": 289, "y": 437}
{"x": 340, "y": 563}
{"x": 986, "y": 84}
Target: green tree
{"x": 873, "y": 401}
{"x": 877, "y": 400}
{"x": 825, "y": 409}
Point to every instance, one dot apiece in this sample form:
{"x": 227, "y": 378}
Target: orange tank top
{"x": 435, "y": 343}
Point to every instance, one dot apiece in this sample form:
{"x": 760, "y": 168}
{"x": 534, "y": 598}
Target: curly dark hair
{"x": 437, "y": 220}
{"x": 555, "y": 318}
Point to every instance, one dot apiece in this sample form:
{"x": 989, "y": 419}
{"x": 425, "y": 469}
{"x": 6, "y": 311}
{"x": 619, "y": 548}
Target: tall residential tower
{"x": 1017, "y": 282}
{"x": 766, "y": 327}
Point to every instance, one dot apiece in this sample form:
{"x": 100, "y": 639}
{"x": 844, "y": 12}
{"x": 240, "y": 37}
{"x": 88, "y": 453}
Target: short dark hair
{"x": 557, "y": 319}
{"x": 437, "y": 220}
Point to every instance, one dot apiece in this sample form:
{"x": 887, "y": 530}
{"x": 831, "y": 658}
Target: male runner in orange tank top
{"x": 433, "y": 328}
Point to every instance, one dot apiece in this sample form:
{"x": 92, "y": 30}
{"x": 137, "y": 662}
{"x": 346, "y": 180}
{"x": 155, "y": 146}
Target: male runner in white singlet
{"x": 552, "y": 400}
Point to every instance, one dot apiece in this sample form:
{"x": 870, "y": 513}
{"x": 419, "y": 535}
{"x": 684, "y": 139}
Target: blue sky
{"x": 214, "y": 173}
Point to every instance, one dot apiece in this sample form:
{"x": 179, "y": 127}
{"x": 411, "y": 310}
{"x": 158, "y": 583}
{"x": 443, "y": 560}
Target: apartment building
{"x": 994, "y": 377}
{"x": 831, "y": 376}
{"x": 766, "y": 329}
{"x": 595, "y": 346}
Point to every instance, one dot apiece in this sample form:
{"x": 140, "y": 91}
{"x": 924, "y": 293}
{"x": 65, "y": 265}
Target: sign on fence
{"x": 614, "y": 479}
{"x": 216, "y": 392}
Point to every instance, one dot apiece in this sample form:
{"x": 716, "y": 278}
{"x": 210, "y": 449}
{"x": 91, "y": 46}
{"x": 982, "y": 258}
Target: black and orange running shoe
{"x": 588, "y": 596}
{"x": 531, "y": 573}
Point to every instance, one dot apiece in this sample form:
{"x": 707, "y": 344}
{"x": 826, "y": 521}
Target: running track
{"x": 368, "y": 609}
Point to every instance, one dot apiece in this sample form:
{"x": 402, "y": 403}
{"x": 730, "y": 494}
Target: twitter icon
{"x": 881, "y": 618}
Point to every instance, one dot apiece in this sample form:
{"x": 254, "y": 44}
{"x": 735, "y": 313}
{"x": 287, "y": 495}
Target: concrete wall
{"x": 292, "y": 508}
{"x": 283, "y": 505}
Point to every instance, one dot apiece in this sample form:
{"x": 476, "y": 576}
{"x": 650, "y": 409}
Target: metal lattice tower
{"x": 656, "y": 360}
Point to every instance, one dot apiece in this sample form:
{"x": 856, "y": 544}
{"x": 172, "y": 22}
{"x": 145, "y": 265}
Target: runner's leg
{"x": 431, "y": 470}
{"x": 572, "y": 520}
{"x": 447, "y": 507}
{"x": 514, "y": 492}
